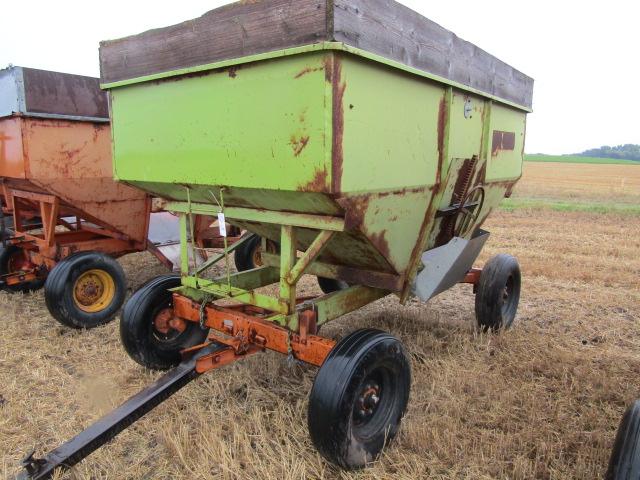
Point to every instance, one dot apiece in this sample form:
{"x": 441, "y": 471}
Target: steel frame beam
{"x": 45, "y": 249}
{"x": 242, "y": 331}
{"x": 302, "y": 220}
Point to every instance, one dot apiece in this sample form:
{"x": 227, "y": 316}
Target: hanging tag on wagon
{"x": 222, "y": 225}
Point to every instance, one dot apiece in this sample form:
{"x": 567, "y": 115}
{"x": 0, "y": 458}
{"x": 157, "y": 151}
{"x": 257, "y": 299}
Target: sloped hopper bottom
{"x": 447, "y": 265}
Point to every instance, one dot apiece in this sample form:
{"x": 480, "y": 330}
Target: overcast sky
{"x": 583, "y": 55}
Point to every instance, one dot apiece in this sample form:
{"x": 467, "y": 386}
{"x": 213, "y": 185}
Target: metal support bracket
{"x": 213, "y": 260}
{"x": 448, "y": 265}
{"x": 314, "y": 250}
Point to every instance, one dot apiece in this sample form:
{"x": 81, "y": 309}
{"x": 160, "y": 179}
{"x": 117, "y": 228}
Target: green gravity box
{"x": 361, "y": 112}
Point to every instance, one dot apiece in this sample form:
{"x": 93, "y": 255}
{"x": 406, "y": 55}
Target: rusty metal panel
{"x": 11, "y": 152}
{"x": 73, "y": 161}
{"x": 502, "y": 141}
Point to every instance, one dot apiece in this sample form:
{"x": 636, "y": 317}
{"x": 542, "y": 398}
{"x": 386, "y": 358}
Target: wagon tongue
{"x": 105, "y": 429}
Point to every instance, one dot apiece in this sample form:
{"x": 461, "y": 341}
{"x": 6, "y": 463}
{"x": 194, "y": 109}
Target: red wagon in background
{"x": 64, "y": 218}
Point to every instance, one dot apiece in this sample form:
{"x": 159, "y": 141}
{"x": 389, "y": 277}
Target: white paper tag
{"x": 222, "y": 225}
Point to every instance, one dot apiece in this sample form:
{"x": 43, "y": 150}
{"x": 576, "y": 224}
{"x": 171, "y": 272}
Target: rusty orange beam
{"x": 472, "y": 276}
{"x": 225, "y": 357}
{"x": 252, "y": 331}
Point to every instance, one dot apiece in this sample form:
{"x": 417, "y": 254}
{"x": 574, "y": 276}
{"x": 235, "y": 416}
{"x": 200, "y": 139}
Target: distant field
{"x": 595, "y": 188}
{"x": 578, "y": 159}
{"x": 511, "y": 204}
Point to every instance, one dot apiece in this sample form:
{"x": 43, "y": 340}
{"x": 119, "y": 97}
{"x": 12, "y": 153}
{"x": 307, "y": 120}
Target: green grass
{"x": 511, "y": 204}
{"x": 578, "y": 159}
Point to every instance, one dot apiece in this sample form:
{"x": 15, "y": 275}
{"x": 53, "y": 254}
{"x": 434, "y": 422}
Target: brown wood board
{"x": 381, "y": 27}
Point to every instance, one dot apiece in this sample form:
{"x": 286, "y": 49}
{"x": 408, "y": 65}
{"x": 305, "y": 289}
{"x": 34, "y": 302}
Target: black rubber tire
{"x": 6, "y": 228}
{"x": 5, "y": 255}
{"x": 58, "y": 290}
{"x": 244, "y": 254}
{"x": 625, "y": 457}
{"x": 330, "y": 285}
{"x": 498, "y": 293}
{"x": 137, "y": 333}
{"x": 361, "y": 358}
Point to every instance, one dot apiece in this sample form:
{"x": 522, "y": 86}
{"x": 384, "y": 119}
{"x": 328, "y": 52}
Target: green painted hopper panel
{"x": 259, "y": 125}
{"x": 322, "y": 131}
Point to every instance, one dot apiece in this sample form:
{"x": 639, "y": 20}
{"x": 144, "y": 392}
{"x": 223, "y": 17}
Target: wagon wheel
{"x": 85, "y": 290}
{"x": 13, "y": 260}
{"x": 359, "y": 398}
{"x": 150, "y": 332}
{"x": 498, "y": 293}
{"x": 624, "y": 463}
{"x": 466, "y": 218}
{"x": 249, "y": 255}
{"x": 330, "y": 285}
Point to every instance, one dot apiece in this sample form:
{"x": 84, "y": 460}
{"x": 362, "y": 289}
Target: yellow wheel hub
{"x": 94, "y": 291}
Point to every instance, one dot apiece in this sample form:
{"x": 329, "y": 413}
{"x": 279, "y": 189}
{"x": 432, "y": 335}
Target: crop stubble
{"x": 540, "y": 401}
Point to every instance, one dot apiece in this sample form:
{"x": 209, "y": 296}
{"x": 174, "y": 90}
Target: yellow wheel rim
{"x": 94, "y": 291}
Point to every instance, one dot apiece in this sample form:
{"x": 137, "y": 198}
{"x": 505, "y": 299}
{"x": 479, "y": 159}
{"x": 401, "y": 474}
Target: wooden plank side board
{"x": 30, "y": 91}
{"x": 64, "y": 94}
{"x": 235, "y": 30}
{"x": 391, "y": 30}
{"x": 382, "y": 27}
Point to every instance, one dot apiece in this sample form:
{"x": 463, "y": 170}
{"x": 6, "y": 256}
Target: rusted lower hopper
{"x": 56, "y": 140}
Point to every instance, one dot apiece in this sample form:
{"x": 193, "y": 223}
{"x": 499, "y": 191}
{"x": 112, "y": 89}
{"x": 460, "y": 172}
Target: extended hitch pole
{"x": 105, "y": 429}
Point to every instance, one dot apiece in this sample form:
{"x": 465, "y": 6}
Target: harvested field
{"x": 540, "y": 401}
{"x": 578, "y": 159}
{"x": 582, "y": 183}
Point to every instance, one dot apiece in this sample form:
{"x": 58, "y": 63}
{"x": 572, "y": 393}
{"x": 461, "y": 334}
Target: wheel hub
{"x": 368, "y": 401}
{"x": 94, "y": 291}
{"x": 256, "y": 256}
{"x": 165, "y": 321}
{"x": 506, "y": 295}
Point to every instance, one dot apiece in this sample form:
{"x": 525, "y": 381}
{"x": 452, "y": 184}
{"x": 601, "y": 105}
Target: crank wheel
{"x": 359, "y": 398}
{"x": 498, "y": 293}
{"x": 14, "y": 260}
{"x": 85, "y": 290}
{"x": 150, "y": 332}
{"x": 94, "y": 291}
{"x": 249, "y": 255}
{"x": 467, "y": 217}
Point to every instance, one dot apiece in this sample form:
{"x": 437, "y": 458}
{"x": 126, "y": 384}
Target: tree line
{"x": 623, "y": 152}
